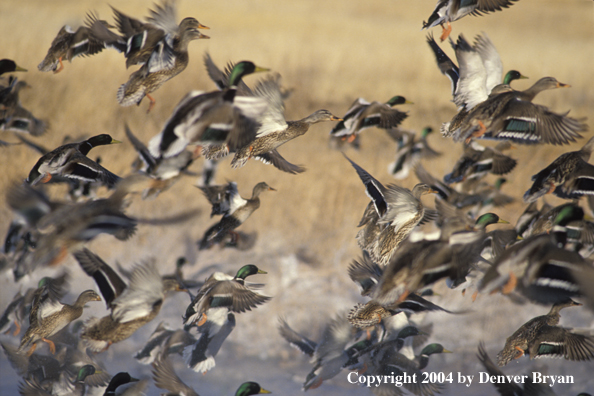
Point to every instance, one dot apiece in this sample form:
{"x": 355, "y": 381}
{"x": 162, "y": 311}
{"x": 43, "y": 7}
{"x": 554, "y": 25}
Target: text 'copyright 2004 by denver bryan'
{"x": 430, "y": 377}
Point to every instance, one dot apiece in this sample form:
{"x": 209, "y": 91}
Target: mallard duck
{"x": 364, "y": 316}
{"x": 222, "y": 292}
{"x": 139, "y": 39}
{"x": 58, "y": 228}
{"x": 69, "y": 44}
{"x": 239, "y": 211}
{"x": 14, "y": 312}
{"x": 409, "y": 154}
{"x": 368, "y": 275}
{"x": 71, "y": 161}
{"x": 218, "y": 117}
{"x": 578, "y": 230}
{"x": 9, "y": 66}
{"x": 419, "y": 264}
{"x": 335, "y": 350}
{"x": 568, "y": 176}
{"x": 136, "y": 386}
{"x": 162, "y": 342}
{"x": 539, "y": 267}
{"x": 540, "y": 337}
{"x": 447, "y": 11}
{"x": 199, "y": 356}
{"x": 164, "y": 172}
{"x": 477, "y": 161}
{"x": 390, "y": 216}
{"x": 363, "y": 114}
{"x": 480, "y": 70}
{"x": 510, "y": 114}
{"x": 461, "y": 200}
{"x": 165, "y": 378}
{"x": 530, "y": 388}
{"x": 274, "y": 130}
{"x": 131, "y": 306}
{"x": 386, "y": 361}
{"x": 49, "y": 316}
{"x": 162, "y": 50}
{"x": 14, "y": 117}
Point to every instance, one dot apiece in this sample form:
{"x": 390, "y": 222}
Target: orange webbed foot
{"x": 446, "y": 31}
{"x": 31, "y": 350}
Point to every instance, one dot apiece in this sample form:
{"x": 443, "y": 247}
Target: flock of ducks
{"x": 544, "y": 259}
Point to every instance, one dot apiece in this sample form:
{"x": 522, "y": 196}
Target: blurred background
{"x": 329, "y": 52}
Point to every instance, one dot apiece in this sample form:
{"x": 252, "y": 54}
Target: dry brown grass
{"x": 331, "y": 52}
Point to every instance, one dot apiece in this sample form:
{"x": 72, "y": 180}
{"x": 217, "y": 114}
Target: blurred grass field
{"x": 330, "y": 52}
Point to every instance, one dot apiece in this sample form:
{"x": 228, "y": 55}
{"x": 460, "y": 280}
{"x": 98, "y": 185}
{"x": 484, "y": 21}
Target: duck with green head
{"x": 224, "y": 292}
{"x": 510, "y": 115}
{"x": 70, "y": 161}
{"x": 9, "y": 66}
{"x": 166, "y": 378}
{"x": 539, "y": 267}
{"x": 212, "y": 118}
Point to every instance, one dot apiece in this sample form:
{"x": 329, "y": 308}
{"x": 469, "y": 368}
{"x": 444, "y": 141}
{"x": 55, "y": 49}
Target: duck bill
{"x": 408, "y": 102}
{"x": 203, "y": 36}
{"x": 201, "y": 26}
{"x": 447, "y": 351}
{"x": 501, "y": 221}
{"x": 334, "y": 118}
{"x": 262, "y": 390}
{"x": 261, "y": 271}
{"x": 113, "y": 141}
{"x": 561, "y": 85}
{"x": 18, "y": 68}
{"x": 271, "y": 189}
{"x": 261, "y": 69}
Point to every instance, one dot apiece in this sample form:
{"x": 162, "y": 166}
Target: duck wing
{"x": 274, "y": 158}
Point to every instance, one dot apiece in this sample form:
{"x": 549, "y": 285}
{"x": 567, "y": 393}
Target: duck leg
{"x": 152, "y": 104}
{"x": 403, "y": 296}
{"x": 51, "y": 344}
{"x": 476, "y": 134}
{"x": 474, "y": 295}
{"x": 351, "y": 138}
{"x": 197, "y": 152}
{"x": 32, "y": 349}
{"x": 18, "y": 328}
{"x": 511, "y": 284}
{"x": 520, "y": 352}
{"x": 60, "y": 256}
{"x": 202, "y": 320}
{"x": 446, "y": 31}
{"x": 59, "y": 69}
